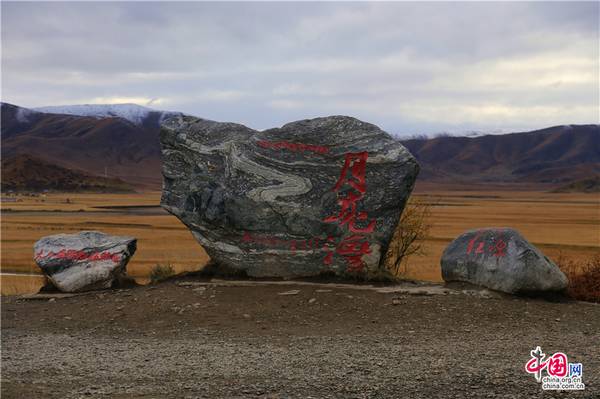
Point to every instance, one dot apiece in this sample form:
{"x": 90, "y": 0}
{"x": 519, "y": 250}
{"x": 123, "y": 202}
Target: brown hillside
{"x": 127, "y": 151}
{"x": 591, "y": 185}
{"x": 131, "y": 152}
{"x": 553, "y": 155}
{"x": 26, "y": 173}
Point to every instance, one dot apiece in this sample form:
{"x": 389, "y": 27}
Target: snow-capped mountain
{"x": 125, "y": 144}
{"x": 134, "y": 113}
{"x": 123, "y": 141}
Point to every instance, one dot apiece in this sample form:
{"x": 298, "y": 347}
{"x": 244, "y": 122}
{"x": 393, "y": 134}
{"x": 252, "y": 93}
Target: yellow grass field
{"x": 162, "y": 239}
{"x": 567, "y": 224}
{"x": 556, "y": 223}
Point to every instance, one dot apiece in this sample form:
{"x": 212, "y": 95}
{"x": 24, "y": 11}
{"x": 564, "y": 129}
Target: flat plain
{"x": 566, "y": 223}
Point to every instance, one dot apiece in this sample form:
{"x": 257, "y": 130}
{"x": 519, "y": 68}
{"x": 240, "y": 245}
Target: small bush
{"x": 161, "y": 272}
{"x": 584, "y": 277}
{"x": 409, "y": 236}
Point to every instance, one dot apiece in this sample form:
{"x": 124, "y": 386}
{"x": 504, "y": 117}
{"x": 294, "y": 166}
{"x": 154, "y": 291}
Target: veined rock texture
{"x": 88, "y": 260}
{"x": 315, "y": 196}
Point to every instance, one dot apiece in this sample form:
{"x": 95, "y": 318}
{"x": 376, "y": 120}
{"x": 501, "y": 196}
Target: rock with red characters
{"x": 503, "y": 260}
{"x": 84, "y": 261}
{"x": 315, "y": 196}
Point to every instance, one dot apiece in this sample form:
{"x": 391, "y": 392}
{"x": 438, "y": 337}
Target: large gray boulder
{"x": 314, "y": 196}
{"x": 500, "y": 259}
{"x": 84, "y": 261}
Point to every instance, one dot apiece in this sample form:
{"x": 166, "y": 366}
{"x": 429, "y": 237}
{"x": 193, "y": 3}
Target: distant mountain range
{"x": 122, "y": 141}
{"x": 557, "y": 154}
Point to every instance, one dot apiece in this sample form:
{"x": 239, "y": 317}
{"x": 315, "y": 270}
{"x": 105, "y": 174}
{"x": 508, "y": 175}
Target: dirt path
{"x": 220, "y": 341}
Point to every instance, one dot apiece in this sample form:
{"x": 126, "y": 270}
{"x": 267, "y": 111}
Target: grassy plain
{"x": 567, "y": 223}
{"x": 162, "y": 239}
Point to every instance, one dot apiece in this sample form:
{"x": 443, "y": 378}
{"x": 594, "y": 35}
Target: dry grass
{"x": 556, "y": 223}
{"x": 20, "y": 284}
{"x": 584, "y": 277}
{"x": 161, "y": 273}
{"x": 162, "y": 238}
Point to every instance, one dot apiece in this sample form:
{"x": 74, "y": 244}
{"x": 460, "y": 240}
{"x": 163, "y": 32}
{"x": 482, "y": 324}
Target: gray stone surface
{"x": 287, "y": 202}
{"x": 500, "y": 259}
{"x": 85, "y": 261}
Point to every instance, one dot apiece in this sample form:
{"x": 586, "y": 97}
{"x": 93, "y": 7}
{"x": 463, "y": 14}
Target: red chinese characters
{"x": 354, "y": 246}
{"x": 355, "y": 163}
{"x": 79, "y": 255}
{"x": 477, "y": 245}
{"x": 351, "y": 188}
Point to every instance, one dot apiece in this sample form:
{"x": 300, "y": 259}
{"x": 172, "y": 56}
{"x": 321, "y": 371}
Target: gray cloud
{"x": 408, "y": 67}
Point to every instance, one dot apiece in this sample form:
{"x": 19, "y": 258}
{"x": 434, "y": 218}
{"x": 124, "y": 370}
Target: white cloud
{"x": 125, "y": 100}
{"x": 415, "y": 67}
{"x": 219, "y": 95}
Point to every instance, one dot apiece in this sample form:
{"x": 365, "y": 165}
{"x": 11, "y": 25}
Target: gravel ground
{"x": 186, "y": 339}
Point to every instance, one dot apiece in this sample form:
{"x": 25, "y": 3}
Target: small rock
{"x": 88, "y": 260}
{"x": 500, "y": 259}
{"x": 246, "y": 316}
{"x": 312, "y": 300}
{"x": 190, "y": 284}
{"x": 290, "y": 292}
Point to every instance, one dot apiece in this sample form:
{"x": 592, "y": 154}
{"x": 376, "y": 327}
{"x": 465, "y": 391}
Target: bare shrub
{"x": 408, "y": 239}
{"x": 161, "y": 272}
{"x": 584, "y": 277}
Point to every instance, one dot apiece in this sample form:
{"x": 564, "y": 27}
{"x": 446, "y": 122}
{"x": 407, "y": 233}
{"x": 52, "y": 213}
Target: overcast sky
{"x": 407, "y": 67}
